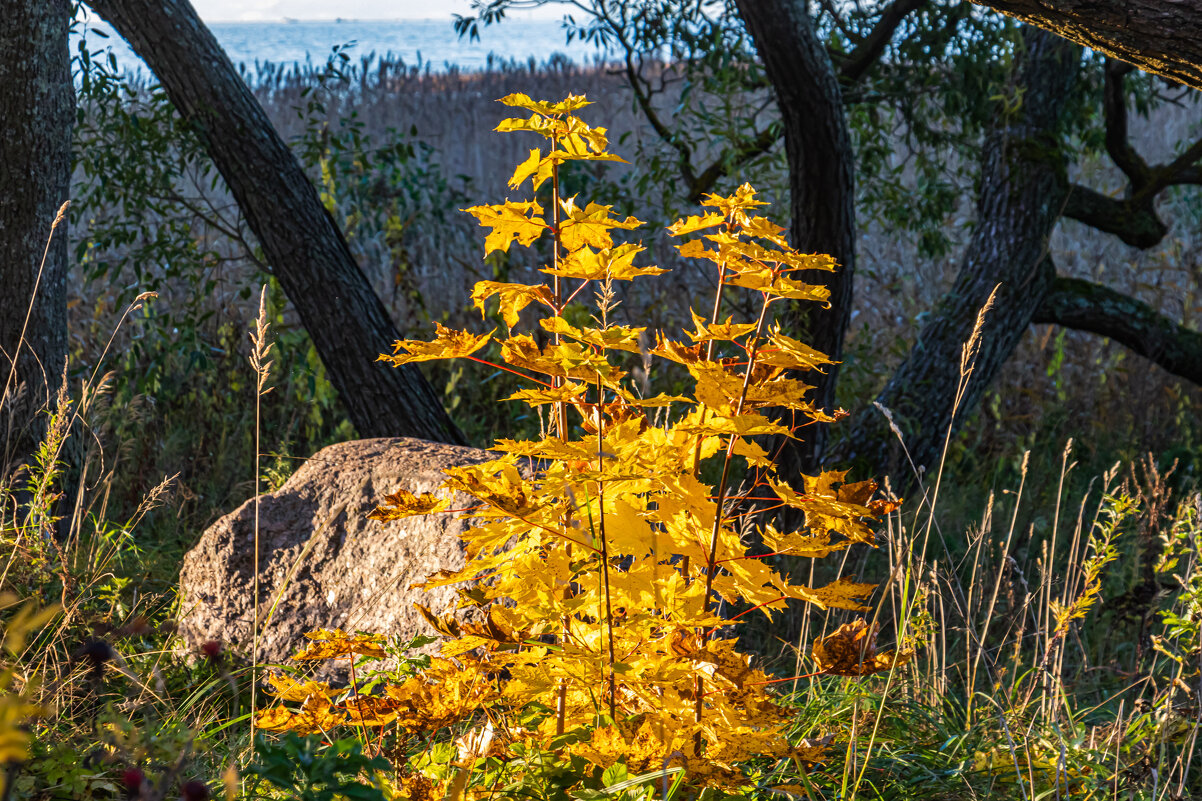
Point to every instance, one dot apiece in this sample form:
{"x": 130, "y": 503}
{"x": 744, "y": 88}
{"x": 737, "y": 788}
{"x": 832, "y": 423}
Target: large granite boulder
{"x": 322, "y": 563}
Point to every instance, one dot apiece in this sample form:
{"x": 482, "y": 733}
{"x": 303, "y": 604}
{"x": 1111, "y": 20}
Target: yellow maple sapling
{"x": 597, "y": 555}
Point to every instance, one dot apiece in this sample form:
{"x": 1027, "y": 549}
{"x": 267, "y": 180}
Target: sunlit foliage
{"x": 603, "y": 568}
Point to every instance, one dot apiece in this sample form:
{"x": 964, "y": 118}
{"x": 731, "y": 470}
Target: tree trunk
{"x": 37, "y": 109}
{"x": 309, "y": 255}
{"x": 821, "y": 185}
{"x": 1023, "y": 192}
{"x": 1159, "y": 36}
{"x": 1086, "y": 306}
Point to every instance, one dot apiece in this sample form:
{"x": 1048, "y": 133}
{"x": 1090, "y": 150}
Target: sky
{"x": 275, "y": 10}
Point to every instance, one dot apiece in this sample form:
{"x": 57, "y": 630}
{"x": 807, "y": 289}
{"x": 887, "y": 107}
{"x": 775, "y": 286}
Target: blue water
{"x": 430, "y": 43}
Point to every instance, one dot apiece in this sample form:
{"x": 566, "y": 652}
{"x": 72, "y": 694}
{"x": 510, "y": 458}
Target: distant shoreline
{"x": 339, "y": 20}
{"x": 431, "y": 44}
{"x": 334, "y": 21}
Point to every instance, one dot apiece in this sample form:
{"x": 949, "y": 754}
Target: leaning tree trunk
{"x": 1023, "y": 191}
{"x": 37, "y": 110}
{"x": 308, "y": 254}
{"x": 821, "y": 186}
{"x": 1158, "y": 36}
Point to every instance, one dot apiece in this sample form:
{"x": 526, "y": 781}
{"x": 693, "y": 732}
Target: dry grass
{"x": 996, "y": 666}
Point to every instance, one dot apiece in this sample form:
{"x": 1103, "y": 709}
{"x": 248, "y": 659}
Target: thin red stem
{"x": 508, "y": 370}
{"x": 751, "y": 556}
{"x": 572, "y": 296}
{"x": 747, "y": 611}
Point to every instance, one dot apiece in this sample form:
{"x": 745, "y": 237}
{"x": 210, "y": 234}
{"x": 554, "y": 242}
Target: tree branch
{"x": 1098, "y": 309}
{"x": 837, "y": 19}
{"x": 1158, "y": 36}
{"x": 1181, "y": 170}
{"x": 1114, "y": 109}
{"x": 722, "y": 166}
{"x": 1131, "y": 220}
{"x": 853, "y": 66}
{"x": 1191, "y": 175}
{"x": 643, "y": 94}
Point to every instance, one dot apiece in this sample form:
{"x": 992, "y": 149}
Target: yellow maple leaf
{"x": 369, "y": 710}
{"x": 315, "y": 715}
{"x": 831, "y": 505}
{"x": 584, "y": 140}
{"x": 527, "y": 168}
{"x": 640, "y": 751}
{"x": 844, "y": 593}
{"x": 287, "y": 688}
{"x": 792, "y": 354}
{"x": 784, "y": 287}
{"x": 509, "y": 222}
{"x": 514, "y": 298}
{"x": 764, "y": 228}
{"x": 755, "y": 455}
{"x": 545, "y": 126}
{"x": 735, "y": 206}
{"x": 566, "y": 106}
{"x": 498, "y": 484}
{"x": 728, "y": 331}
{"x": 695, "y": 249}
{"x": 334, "y": 643}
{"x": 444, "y": 693}
{"x": 590, "y": 225}
{"x": 548, "y": 448}
{"x": 567, "y": 392}
{"x": 795, "y": 543}
{"x": 403, "y": 503}
{"x": 718, "y": 388}
{"x": 614, "y": 337}
{"x": 678, "y": 352}
{"x": 276, "y": 718}
{"x": 810, "y": 261}
{"x": 755, "y": 276}
{"x": 587, "y": 264}
{"x": 566, "y": 360}
{"x": 724, "y": 664}
{"x": 695, "y": 223}
{"x": 851, "y": 651}
{"x": 447, "y": 344}
{"x": 743, "y": 425}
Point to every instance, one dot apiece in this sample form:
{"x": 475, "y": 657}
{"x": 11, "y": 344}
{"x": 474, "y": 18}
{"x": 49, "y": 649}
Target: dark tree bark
{"x": 308, "y": 254}
{"x": 1023, "y": 192}
{"x": 821, "y": 185}
{"x": 1159, "y": 36}
{"x": 37, "y": 111}
{"x": 1132, "y": 220}
{"x": 1087, "y": 306}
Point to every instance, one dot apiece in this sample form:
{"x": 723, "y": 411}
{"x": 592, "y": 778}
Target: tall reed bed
{"x": 401, "y": 216}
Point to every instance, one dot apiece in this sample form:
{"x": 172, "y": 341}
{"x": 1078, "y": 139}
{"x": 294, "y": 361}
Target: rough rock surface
{"x": 328, "y": 564}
